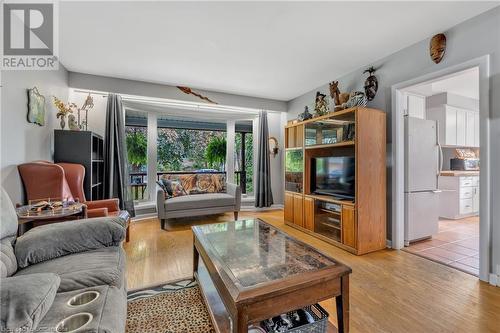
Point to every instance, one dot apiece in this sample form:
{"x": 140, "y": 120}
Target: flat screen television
{"x": 334, "y": 176}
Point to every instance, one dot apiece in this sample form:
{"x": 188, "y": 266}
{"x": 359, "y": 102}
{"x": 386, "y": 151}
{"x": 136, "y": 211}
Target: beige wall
{"x": 22, "y": 141}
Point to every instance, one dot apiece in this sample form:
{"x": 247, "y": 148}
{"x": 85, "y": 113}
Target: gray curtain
{"x": 263, "y": 193}
{"x": 115, "y": 155}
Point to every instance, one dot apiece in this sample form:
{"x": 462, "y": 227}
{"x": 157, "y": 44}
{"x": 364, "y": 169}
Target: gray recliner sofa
{"x": 198, "y": 204}
{"x": 58, "y": 277}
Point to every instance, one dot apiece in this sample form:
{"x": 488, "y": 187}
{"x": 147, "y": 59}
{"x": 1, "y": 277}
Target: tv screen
{"x": 334, "y": 176}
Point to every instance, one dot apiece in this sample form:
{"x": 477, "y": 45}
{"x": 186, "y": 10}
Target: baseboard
{"x": 142, "y": 217}
{"x": 258, "y": 209}
{"x": 494, "y": 280}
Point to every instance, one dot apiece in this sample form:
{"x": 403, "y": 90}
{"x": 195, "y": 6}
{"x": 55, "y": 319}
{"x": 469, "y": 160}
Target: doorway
{"x": 442, "y": 170}
{"x": 441, "y": 191}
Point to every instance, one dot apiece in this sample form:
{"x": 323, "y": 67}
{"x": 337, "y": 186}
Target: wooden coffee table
{"x": 249, "y": 271}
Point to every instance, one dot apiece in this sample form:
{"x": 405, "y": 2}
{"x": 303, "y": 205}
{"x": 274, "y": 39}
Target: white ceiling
{"x": 277, "y": 50}
{"x": 464, "y": 83}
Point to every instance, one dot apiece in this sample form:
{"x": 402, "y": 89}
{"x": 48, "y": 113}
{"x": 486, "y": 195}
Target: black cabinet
{"x": 85, "y": 148}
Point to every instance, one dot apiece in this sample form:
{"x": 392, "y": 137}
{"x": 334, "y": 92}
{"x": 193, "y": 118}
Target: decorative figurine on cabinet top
{"x": 371, "y": 84}
{"x": 305, "y": 115}
{"x": 321, "y": 105}
{"x": 437, "y": 47}
{"x": 356, "y": 98}
{"x": 339, "y": 98}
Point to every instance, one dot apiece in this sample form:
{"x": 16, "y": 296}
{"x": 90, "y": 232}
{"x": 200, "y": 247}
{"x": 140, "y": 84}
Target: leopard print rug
{"x": 172, "y": 308}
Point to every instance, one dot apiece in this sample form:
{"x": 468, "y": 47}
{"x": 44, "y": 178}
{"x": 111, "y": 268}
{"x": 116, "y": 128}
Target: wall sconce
{"x": 273, "y": 146}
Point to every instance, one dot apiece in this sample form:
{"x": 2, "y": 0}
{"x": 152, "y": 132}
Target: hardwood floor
{"x": 390, "y": 291}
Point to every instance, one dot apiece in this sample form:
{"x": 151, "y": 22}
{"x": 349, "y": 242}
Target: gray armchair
{"x": 41, "y": 271}
{"x": 198, "y": 204}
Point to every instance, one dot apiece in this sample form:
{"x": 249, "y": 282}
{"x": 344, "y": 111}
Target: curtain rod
{"x": 178, "y": 103}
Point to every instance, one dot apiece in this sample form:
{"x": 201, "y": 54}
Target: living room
{"x": 237, "y": 166}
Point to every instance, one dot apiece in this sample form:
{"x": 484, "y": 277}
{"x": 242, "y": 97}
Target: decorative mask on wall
{"x": 371, "y": 84}
{"x": 437, "y": 47}
{"x": 273, "y": 146}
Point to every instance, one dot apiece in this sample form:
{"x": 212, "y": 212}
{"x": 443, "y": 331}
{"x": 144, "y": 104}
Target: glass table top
{"x": 26, "y": 212}
{"x": 256, "y": 252}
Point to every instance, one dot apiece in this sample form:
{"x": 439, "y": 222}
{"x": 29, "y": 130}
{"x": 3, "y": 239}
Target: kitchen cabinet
{"x": 470, "y": 129}
{"x": 461, "y": 125}
{"x": 459, "y": 197}
{"x": 476, "y": 129}
{"x": 416, "y": 106}
{"x": 457, "y": 127}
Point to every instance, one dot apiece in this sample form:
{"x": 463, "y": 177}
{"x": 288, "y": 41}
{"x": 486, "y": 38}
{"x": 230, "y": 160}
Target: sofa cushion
{"x": 8, "y": 216}
{"x": 25, "y": 300}
{"x": 59, "y": 239}
{"x": 104, "y": 266}
{"x": 198, "y": 201}
{"x": 8, "y": 261}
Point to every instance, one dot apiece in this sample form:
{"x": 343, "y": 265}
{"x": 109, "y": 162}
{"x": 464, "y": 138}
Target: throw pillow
{"x": 166, "y": 186}
{"x": 177, "y": 189}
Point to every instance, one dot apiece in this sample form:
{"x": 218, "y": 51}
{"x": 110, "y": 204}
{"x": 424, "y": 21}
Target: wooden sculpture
{"x": 339, "y": 98}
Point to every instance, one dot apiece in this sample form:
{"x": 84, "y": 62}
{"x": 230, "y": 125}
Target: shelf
{"x": 344, "y": 115}
{"x": 328, "y": 198}
{"x": 329, "y": 211}
{"x": 328, "y": 225}
{"x": 331, "y": 145}
{"x": 214, "y": 303}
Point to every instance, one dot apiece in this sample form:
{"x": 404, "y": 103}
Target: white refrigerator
{"x": 423, "y": 163}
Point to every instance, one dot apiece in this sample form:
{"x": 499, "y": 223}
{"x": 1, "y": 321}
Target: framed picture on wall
{"x": 36, "y": 107}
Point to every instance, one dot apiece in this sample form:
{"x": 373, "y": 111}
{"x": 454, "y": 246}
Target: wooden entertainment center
{"x": 357, "y": 225}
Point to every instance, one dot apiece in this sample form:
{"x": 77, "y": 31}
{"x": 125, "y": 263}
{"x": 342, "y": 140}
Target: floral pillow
{"x": 177, "y": 189}
{"x": 171, "y": 188}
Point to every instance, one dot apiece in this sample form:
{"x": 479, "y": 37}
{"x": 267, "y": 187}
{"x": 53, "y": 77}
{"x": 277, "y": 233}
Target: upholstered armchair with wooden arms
{"x": 43, "y": 179}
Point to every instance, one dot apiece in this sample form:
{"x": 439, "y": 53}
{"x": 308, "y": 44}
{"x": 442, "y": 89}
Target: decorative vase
{"x": 62, "y": 122}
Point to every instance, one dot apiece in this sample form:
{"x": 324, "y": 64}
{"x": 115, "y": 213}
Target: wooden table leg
{"x": 342, "y": 302}
{"x": 196, "y": 257}
{"x": 24, "y": 227}
{"x": 241, "y": 325}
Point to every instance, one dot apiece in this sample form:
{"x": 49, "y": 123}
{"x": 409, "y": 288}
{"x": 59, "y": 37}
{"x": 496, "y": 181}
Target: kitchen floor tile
{"x": 453, "y": 247}
{"x": 445, "y": 254}
{"x": 471, "y": 243}
{"x": 470, "y": 261}
{"x": 451, "y": 236}
{"x": 464, "y": 268}
{"x": 456, "y": 245}
{"x": 424, "y": 245}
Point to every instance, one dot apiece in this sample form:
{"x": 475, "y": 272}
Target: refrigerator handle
{"x": 440, "y": 150}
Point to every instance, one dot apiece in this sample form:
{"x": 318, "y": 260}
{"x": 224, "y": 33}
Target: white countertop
{"x": 459, "y": 173}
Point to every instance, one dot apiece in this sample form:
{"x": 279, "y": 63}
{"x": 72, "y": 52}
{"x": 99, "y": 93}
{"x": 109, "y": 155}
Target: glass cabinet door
{"x": 327, "y": 131}
{"x": 294, "y": 170}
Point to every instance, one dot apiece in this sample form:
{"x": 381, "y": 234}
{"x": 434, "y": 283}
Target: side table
{"x": 28, "y": 219}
